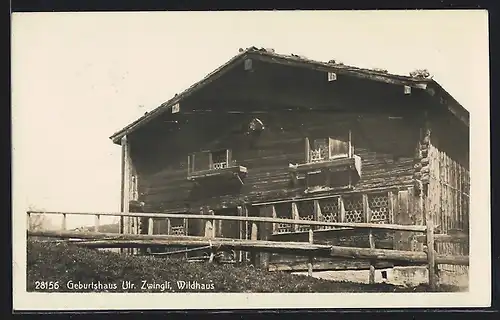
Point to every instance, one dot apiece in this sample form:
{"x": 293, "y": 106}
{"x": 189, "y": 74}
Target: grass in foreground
{"x": 61, "y": 262}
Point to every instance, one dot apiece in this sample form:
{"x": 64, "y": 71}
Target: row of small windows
{"x": 316, "y": 150}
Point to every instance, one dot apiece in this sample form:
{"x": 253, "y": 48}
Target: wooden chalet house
{"x": 283, "y": 136}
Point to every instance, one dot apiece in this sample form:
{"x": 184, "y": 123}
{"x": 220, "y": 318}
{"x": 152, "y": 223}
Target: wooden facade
{"x": 294, "y": 139}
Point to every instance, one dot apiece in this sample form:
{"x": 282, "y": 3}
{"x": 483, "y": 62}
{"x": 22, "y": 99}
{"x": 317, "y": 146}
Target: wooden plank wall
{"x": 387, "y": 157}
{"x": 449, "y": 200}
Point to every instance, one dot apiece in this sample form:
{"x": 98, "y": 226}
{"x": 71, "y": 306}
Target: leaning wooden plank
{"x": 394, "y": 227}
{"x": 451, "y": 238}
{"x": 285, "y": 247}
{"x": 216, "y": 244}
{"x": 111, "y": 240}
{"x": 395, "y": 255}
{"x": 348, "y": 264}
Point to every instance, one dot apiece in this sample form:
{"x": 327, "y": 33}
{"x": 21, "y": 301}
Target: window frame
{"x": 210, "y": 166}
{"x": 331, "y": 157}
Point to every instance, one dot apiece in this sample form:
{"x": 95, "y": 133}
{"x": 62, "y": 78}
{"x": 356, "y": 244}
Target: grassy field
{"x": 62, "y": 262}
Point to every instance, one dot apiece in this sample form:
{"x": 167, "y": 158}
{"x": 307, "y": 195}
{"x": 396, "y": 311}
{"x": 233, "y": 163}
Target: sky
{"x": 79, "y": 77}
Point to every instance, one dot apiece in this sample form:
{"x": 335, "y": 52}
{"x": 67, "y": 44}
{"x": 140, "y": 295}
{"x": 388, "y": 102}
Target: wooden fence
{"x": 262, "y": 246}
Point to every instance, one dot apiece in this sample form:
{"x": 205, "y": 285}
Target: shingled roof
{"x": 268, "y": 55}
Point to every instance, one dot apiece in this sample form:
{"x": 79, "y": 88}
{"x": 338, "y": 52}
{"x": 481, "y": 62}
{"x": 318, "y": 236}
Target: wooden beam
{"x": 431, "y": 253}
{"x": 125, "y": 186}
{"x": 368, "y": 215}
{"x": 311, "y": 257}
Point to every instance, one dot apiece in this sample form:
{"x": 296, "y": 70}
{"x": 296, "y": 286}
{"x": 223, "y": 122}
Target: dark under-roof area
{"x": 268, "y": 74}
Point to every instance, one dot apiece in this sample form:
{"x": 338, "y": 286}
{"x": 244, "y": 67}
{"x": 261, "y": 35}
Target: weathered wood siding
{"x": 448, "y": 189}
{"x": 386, "y": 146}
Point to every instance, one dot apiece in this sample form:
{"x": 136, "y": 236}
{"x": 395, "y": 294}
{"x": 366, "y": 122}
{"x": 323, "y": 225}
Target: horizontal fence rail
{"x": 392, "y": 227}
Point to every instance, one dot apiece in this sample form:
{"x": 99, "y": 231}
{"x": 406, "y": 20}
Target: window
{"x": 324, "y": 149}
{"x": 209, "y": 160}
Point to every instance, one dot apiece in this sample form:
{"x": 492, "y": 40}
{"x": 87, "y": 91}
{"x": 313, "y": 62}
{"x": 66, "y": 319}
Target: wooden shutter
{"x": 338, "y": 148}
{"x": 307, "y": 151}
{"x": 200, "y": 161}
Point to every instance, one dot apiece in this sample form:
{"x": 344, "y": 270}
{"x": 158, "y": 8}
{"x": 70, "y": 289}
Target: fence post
{"x": 253, "y": 237}
{"x": 63, "y": 224}
{"x": 311, "y": 257}
{"x": 265, "y": 230}
{"x": 97, "y": 222}
{"x": 371, "y": 278}
{"x": 240, "y": 228}
{"x": 371, "y": 239}
{"x": 150, "y": 231}
{"x": 431, "y": 257}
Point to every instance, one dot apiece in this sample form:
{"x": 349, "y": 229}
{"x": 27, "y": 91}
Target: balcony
{"x": 352, "y": 163}
{"x": 222, "y": 172}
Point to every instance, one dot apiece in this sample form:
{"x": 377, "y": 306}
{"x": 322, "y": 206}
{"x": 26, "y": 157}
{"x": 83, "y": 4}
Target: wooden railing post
{"x": 150, "y": 231}
{"x": 169, "y": 226}
{"x": 254, "y": 233}
{"x": 209, "y": 230}
{"x": 318, "y": 216}
{"x": 295, "y": 216}
{"x": 311, "y": 257}
{"x": 150, "y": 226}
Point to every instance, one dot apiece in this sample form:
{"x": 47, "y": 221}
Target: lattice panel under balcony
{"x": 219, "y": 165}
{"x": 305, "y": 227}
{"x": 353, "y": 206}
{"x": 330, "y": 211}
{"x": 283, "y": 211}
{"x": 177, "y": 230}
{"x": 379, "y": 207}
{"x": 306, "y": 212}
